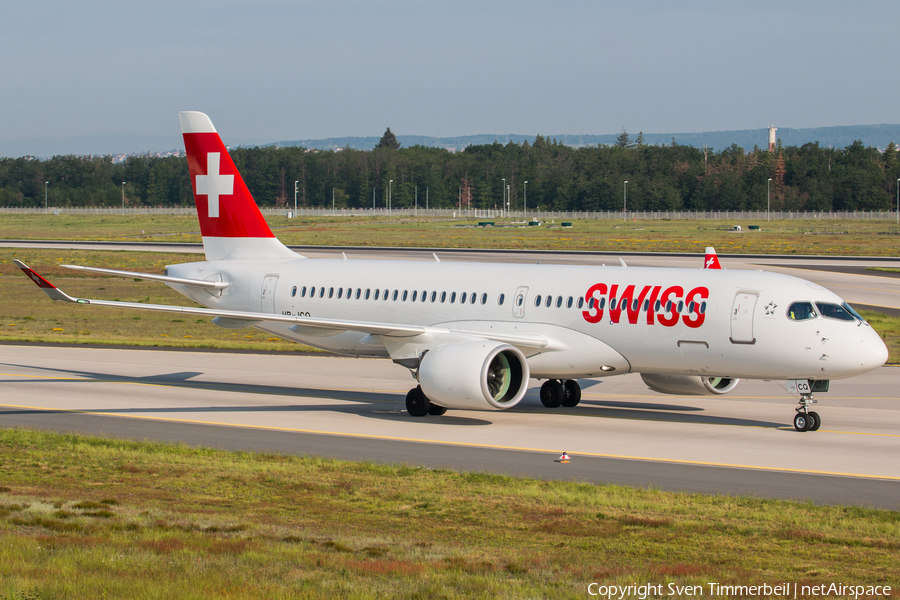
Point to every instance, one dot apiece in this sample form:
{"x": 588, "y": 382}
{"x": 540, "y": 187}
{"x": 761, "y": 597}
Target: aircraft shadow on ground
{"x": 361, "y": 399}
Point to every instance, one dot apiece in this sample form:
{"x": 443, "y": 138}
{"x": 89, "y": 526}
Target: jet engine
{"x": 476, "y": 375}
{"x": 689, "y": 385}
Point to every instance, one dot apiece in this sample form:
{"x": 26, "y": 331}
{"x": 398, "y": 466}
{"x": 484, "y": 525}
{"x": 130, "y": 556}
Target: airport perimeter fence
{"x": 484, "y": 214}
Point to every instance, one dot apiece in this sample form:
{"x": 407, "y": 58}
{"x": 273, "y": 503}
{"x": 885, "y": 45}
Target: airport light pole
{"x": 625, "y": 202}
{"x": 45, "y": 194}
{"x": 123, "y": 198}
{"x": 503, "y": 194}
{"x": 390, "y": 191}
{"x": 295, "y": 197}
{"x": 768, "y": 199}
{"x": 507, "y": 201}
{"x": 525, "y": 202}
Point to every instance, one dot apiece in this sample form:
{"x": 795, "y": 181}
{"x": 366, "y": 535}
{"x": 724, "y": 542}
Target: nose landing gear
{"x": 805, "y": 419}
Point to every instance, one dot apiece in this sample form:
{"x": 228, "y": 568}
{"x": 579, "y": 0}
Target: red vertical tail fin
{"x": 230, "y": 221}
{"x": 711, "y": 260}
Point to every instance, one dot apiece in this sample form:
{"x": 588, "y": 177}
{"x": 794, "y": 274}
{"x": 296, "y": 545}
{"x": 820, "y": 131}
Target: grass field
{"x": 85, "y": 517}
{"x": 850, "y": 237}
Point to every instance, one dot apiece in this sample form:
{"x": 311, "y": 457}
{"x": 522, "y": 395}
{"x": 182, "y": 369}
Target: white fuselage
{"x": 720, "y": 323}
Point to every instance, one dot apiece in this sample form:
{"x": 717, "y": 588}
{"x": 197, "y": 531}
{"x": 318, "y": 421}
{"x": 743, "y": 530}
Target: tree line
{"x": 559, "y": 177}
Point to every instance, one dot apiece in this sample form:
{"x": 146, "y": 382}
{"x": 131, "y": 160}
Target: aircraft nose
{"x": 872, "y": 351}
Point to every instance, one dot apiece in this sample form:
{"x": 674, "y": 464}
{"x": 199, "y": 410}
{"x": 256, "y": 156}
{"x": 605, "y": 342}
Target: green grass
{"x": 28, "y": 315}
{"x": 84, "y": 517}
{"x": 863, "y": 238}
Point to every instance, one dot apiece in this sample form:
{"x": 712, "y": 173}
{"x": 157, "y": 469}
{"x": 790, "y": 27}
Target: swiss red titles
{"x": 665, "y": 306}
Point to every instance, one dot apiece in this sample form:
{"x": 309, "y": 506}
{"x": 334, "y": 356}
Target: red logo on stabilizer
{"x": 225, "y": 206}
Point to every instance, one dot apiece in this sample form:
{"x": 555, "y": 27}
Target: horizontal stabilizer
{"x": 217, "y": 285}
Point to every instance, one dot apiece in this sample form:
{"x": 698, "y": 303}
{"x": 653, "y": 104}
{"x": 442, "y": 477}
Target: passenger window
{"x": 834, "y": 311}
{"x": 549, "y": 301}
{"x": 657, "y": 306}
{"x": 415, "y": 295}
{"x": 591, "y": 302}
{"x": 443, "y": 297}
{"x": 303, "y": 292}
{"x": 612, "y": 304}
{"x": 368, "y": 293}
{"x": 433, "y": 296}
{"x": 376, "y": 294}
{"x": 680, "y": 306}
{"x": 331, "y": 292}
{"x": 322, "y": 292}
{"x": 358, "y": 293}
{"x": 425, "y": 295}
{"x": 340, "y": 293}
{"x": 500, "y": 299}
{"x": 462, "y": 298}
{"x": 537, "y": 300}
{"x": 484, "y": 299}
{"x": 703, "y": 308}
{"x": 569, "y": 301}
{"x": 602, "y": 303}
{"x": 404, "y": 295}
{"x": 580, "y": 303}
{"x": 801, "y": 311}
{"x": 646, "y": 306}
{"x": 452, "y": 297}
{"x": 634, "y": 305}
{"x": 293, "y": 291}
{"x": 386, "y": 294}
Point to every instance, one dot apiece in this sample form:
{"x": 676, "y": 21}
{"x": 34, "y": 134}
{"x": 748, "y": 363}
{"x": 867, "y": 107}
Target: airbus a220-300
{"x": 473, "y": 335}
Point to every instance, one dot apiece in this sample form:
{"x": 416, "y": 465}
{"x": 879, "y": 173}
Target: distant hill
{"x": 123, "y": 144}
{"x": 102, "y": 144}
{"x": 871, "y": 135}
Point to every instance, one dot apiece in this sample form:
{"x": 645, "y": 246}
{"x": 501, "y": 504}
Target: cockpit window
{"x": 850, "y": 310}
{"x": 800, "y": 311}
{"x": 834, "y": 311}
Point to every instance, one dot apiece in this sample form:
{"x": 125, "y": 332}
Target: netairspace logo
{"x": 715, "y": 589}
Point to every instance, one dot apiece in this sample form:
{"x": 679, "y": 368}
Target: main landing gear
{"x": 556, "y": 393}
{"x": 805, "y": 419}
{"x": 418, "y": 404}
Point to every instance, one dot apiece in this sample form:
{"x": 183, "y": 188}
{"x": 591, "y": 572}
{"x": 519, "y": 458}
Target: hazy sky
{"x": 297, "y": 69}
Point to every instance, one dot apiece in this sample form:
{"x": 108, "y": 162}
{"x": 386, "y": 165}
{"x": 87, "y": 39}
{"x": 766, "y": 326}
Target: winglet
{"x": 49, "y": 289}
{"x": 711, "y": 261}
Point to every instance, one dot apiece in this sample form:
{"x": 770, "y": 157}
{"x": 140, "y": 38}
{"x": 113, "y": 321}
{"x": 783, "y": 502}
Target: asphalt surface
{"x": 621, "y": 433}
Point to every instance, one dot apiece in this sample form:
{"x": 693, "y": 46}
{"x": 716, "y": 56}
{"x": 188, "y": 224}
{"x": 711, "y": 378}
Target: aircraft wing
{"x": 303, "y": 325}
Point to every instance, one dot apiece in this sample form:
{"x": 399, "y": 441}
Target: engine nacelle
{"x": 689, "y": 385}
{"x": 477, "y": 375}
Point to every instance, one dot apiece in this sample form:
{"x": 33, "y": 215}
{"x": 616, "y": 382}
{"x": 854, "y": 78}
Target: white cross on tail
{"x": 213, "y": 184}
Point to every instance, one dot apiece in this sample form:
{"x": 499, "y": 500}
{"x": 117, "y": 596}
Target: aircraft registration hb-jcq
{"x": 474, "y": 334}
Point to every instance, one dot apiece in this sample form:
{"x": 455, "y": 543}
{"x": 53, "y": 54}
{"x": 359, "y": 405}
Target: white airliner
{"x": 473, "y": 335}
